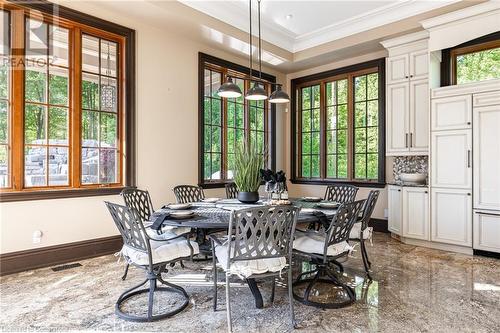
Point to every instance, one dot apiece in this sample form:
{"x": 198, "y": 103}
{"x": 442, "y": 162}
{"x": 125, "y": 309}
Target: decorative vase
{"x": 248, "y": 197}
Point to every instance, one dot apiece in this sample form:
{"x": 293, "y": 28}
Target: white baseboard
{"x": 438, "y": 246}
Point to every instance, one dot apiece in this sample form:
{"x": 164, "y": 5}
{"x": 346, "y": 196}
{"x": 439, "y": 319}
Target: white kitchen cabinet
{"x": 398, "y": 69}
{"x": 451, "y": 217}
{"x": 487, "y": 231}
{"x": 451, "y": 160}
{"x": 419, "y": 116}
{"x": 486, "y": 135}
{"x": 451, "y": 113}
{"x": 419, "y": 65}
{"x": 416, "y": 213}
{"x": 395, "y": 213}
{"x": 404, "y": 67}
{"x": 397, "y": 123}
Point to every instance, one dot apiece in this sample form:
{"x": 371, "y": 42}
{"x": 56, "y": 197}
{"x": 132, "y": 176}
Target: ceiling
{"x": 299, "y": 25}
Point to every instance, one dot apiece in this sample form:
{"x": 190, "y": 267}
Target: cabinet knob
{"x": 411, "y": 75}
{"x": 406, "y": 76}
{"x": 399, "y": 190}
{"x": 426, "y": 191}
{"x": 468, "y": 193}
{"x": 468, "y": 123}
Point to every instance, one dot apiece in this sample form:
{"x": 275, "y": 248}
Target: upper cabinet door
{"x": 419, "y": 116}
{"x": 397, "y": 123}
{"x": 451, "y": 113}
{"x": 451, "y": 159}
{"x": 487, "y": 157}
{"x": 419, "y": 65}
{"x": 398, "y": 69}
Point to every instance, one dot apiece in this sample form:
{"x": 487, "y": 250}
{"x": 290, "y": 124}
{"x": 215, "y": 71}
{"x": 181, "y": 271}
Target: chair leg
{"x": 228, "y": 305}
{"x": 214, "y": 275}
{"x": 273, "y": 288}
{"x": 364, "y": 256}
{"x": 126, "y": 272}
{"x": 290, "y": 297}
{"x": 152, "y": 287}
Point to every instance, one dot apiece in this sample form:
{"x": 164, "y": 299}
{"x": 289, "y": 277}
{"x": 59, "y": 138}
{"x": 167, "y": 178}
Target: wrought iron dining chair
{"x": 231, "y": 191}
{"x": 152, "y": 255}
{"x": 140, "y": 200}
{"x": 324, "y": 250}
{"x": 258, "y": 245}
{"x": 188, "y": 193}
{"x": 341, "y": 193}
{"x": 361, "y": 231}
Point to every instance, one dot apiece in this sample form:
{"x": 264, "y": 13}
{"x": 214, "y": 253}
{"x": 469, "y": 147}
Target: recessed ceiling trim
{"x": 233, "y": 12}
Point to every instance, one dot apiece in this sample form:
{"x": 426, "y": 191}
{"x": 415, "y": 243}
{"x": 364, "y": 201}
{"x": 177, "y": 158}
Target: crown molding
{"x": 406, "y": 39}
{"x": 465, "y": 14}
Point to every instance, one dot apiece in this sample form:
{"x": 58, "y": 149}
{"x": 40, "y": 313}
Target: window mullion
{"x": 17, "y": 106}
{"x": 350, "y": 127}
{"x": 322, "y": 130}
{"x": 75, "y": 136}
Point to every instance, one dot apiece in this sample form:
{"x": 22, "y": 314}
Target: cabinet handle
{"x": 411, "y": 139}
{"x": 489, "y": 214}
{"x": 406, "y": 140}
{"x": 468, "y": 158}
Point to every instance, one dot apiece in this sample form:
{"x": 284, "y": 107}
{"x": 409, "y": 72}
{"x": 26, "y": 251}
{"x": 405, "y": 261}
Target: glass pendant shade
{"x": 256, "y": 93}
{"x": 279, "y": 96}
{"x": 229, "y": 90}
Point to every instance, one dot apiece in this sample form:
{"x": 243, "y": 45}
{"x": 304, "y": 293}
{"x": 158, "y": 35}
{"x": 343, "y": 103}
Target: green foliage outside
{"x": 478, "y": 66}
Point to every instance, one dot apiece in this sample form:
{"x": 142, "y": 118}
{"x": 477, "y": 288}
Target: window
{"x": 474, "y": 61}
{"x": 226, "y": 123}
{"x": 72, "y": 118}
{"x": 337, "y": 127}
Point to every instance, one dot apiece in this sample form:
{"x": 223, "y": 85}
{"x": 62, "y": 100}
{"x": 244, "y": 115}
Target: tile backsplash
{"x": 409, "y": 164}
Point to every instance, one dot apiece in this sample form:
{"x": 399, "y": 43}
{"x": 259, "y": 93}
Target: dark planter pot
{"x": 248, "y": 197}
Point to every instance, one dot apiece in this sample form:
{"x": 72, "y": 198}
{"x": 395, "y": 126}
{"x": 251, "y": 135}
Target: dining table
{"x": 214, "y": 216}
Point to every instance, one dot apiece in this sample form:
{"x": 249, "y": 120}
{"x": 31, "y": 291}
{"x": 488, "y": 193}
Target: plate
{"x": 182, "y": 214}
{"x": 312, "y": 199}
{"x": 211, "y": 200}
{"x": 328, "y": 205}
{"x": 308, "y": 210}
{"x": 179, "y": 206}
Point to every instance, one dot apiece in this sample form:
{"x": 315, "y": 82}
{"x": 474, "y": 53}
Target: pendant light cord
{"x": 260, "y": 45}
{"x": 250, "y": 11}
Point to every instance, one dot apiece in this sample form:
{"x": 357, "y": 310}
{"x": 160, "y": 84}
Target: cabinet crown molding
{"x": 466, "y": 88}
{"x": 406, "y": 39}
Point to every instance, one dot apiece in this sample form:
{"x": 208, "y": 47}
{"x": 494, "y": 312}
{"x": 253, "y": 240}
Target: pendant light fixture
{"x": 257, "y": 91}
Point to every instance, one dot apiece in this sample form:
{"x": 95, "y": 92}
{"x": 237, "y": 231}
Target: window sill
{"x": 58, "y": 194}
{"x": 332, "y": 181}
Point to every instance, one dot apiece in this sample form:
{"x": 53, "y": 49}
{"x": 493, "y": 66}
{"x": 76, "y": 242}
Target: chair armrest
{"x": 215, "y": 239}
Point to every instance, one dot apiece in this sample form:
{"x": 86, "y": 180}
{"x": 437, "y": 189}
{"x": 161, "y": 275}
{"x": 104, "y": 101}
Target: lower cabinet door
{"x": 416, "y": 213}
{"x": 395, "y": 209}
{"x": 487, "y": 231}
{"x": 451, "y": 218}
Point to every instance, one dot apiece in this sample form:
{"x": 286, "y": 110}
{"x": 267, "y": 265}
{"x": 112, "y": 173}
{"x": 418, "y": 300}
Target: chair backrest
{"x": 139, "y": 200}
{"x": 231, "y": 191}
{"x": 368, "y": 208}
{"x": 129, "y": 224}
{"x": 341, "y": 193}
{"x": 342, "y": 223}
{"x": 188, "y": 193}
{"x": 262, "y": 232}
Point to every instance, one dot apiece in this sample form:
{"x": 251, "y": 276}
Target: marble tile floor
{"x": 415, "y": 289}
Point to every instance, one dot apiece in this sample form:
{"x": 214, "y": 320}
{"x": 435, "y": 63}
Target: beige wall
{"x": 167, "y": 141}
{"x": 319, "y": 190}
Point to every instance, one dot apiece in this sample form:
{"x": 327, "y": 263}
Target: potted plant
{"x": 247, "y": 164}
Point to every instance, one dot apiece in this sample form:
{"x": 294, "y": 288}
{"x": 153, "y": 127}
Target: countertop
{"x": 407, "y": 184}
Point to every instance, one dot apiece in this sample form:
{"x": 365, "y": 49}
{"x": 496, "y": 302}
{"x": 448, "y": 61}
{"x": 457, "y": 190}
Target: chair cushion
{"x": 356, "y": 232}
{"x": 247, "y": 268}
{"x": 161, "y": 251}
{"x": 314, "y": 242}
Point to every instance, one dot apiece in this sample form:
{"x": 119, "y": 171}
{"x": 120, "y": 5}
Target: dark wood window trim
{"x": 129, "y": 91}
{"x": 322, "y": 77}
{"x": 448, "y": 66}
{"x": 203, "y": 59}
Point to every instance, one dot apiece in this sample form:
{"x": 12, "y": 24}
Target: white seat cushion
{"x": 162, "y": 251}
{"x": 356, "y": 232}
{"x": 246, "y": 268}
{"x": 314, "y": 242}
